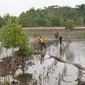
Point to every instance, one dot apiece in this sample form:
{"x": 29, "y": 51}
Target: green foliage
{"x": 76, "y": 83}
{"x": 50, "y": 16}
{"x": 1, "y": 22}
{"x": 80, "y": 21}
{"x": 61, "y": 21}
{"x": 23, "y": 78}
{"x": 12, "y": 35}
{"x": 6, "y": 82}
{"x": 69, "y": 25}
{"x": 24, "y": 51}
{"x": 41, "y": 60}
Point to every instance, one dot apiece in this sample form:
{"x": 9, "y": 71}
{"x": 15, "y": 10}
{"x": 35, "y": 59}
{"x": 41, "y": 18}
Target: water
{"x": 51, "y": 70}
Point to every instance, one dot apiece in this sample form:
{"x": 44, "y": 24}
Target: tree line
{"x": 50, "y": 16}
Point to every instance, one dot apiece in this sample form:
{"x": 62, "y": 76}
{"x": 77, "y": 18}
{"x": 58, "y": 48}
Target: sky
{"x": 16, "y": 7}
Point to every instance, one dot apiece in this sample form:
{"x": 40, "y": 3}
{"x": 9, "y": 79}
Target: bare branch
{"x": 63, "y": 61}
{"x": 59, "y": 59}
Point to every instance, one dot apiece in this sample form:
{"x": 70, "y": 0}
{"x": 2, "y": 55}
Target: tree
{"x": 1, "y": 21}
{"x": 61, "y": 21}
{"x": 12, "y": 36}
{"x": 80, "y": 21}
{"x": 69, "y": 24}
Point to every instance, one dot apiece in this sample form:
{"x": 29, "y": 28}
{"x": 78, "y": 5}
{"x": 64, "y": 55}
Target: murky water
{"x": 51, "y": 70}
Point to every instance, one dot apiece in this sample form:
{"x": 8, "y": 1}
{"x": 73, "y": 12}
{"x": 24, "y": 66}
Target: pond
{"x": 53, "y": 72}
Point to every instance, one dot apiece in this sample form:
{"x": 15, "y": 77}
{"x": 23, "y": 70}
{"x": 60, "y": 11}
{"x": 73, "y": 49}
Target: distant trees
{"x": 53, "y": 16}
{"x": 1, "y": 21}
{"x": 50, "y": 16}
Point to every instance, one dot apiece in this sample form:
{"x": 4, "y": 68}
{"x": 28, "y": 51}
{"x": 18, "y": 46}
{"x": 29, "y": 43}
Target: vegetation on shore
{"x": 51, "y": 16}
{"x": 12, "y": 37}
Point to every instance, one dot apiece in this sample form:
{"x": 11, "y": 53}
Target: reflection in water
{"x": 1, "y": 49}
{"x": 53, "y": 49}
{"x": 51, "y": 70}
{"x": 69, "y": 53}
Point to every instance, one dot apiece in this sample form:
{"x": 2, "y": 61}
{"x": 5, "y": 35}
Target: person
{"x": 60, "y": 39}
{"x": 42, "y": 42}
{"x": 57, "y": 34}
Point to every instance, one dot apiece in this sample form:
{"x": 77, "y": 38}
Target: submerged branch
{"x": 59, "y": 59}
{"x": 63, "y": 61}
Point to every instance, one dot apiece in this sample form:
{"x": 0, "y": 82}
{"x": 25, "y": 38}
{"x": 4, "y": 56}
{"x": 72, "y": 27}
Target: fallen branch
{"x": 63, "y": 61}
{"x": 59, "y": 59}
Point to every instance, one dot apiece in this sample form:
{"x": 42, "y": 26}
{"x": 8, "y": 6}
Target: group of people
{"x": 41, "y": 40}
